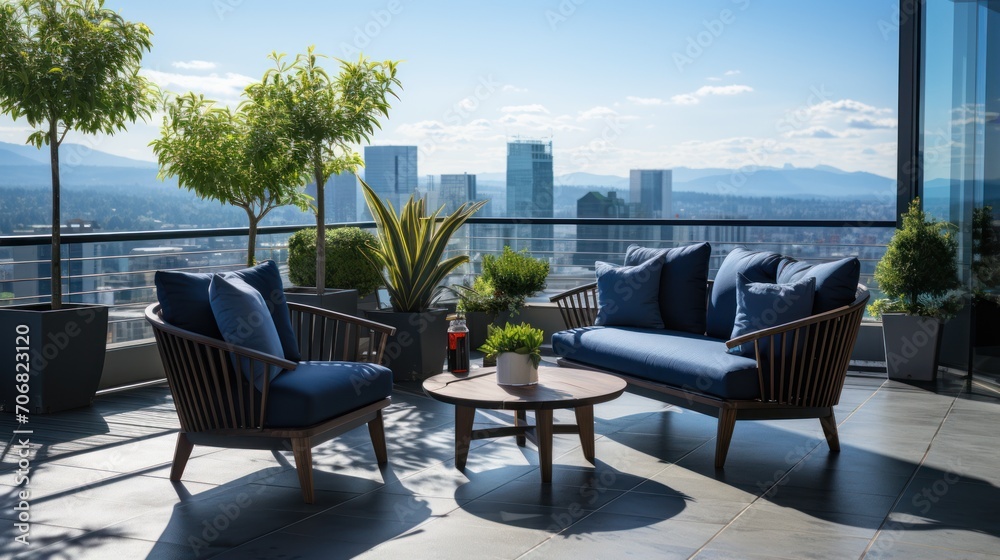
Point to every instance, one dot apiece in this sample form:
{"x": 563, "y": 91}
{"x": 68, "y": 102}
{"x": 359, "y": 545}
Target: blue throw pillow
{"x": 683, "y": 283}
{"x": 757, "y": 266}
{"x": 836, "y": 282}
{"x": 628, "y": 296}
{"x": 761, "y": 305}
{"x": 244, "y": 320}
{"x": 183, "y": 298}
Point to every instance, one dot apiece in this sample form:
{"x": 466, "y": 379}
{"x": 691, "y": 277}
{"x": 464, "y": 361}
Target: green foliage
{"x": 347, "y": 265}
{"x": 324, "y": 117}
{"x": 231, "y": 157}
{"x": 919, "y": 271}
{"x": 507, "y": 280}
{"x": 522, "y": 339}
{"x": 71, "y": 65}
{"x": 409, "y": 249}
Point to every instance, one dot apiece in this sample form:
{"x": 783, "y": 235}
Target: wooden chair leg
{"x": 376, "y": 429}
{"x": 182, "y": 452}
{"x": 727, "y": 422}
{"x": 303, "y": 465}
{"x": 829, "y": 424}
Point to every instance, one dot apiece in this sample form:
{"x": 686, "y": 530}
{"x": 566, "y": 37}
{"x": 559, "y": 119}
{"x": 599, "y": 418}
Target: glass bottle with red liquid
{"x": 458, "y": 345}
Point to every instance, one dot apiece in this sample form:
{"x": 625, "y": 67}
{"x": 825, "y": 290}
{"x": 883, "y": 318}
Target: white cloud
{"x": 509, "y": 88}
{"x": 596, "y": 113}
{"x": 869, "y": 123}
{"x": 194, "y": 65}
{"x": 820, "y": 132}
{"x": 226, "y": 88}
{"x": 847, "y": 106}
{"x": 645, "y": 100}
{"x": 733, "y": 72}
{"x": 696, "y": 96}
{"x": 535, "y": 108}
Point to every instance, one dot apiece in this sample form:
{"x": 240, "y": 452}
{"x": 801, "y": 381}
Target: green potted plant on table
{"x": 517, "y": 350}
{"x": 64, "y": 65}
{"x": 350, "y": 278}
{"x": 500, "y": 291}
{"x": 919, "y": 277}
{"x": 409, "y": 253}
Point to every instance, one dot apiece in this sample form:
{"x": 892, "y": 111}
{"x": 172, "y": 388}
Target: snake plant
{"x": 409, "y": 248}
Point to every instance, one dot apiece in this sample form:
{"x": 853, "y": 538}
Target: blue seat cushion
{"x": 756, "y": 266}
{"x": 671, "y": 357}
{"x": 836, "y": 282}
{"x": 760, "y": 305}
{"x": 183, "y": 298}
{"x": 629, "y": 295}
{"x": 244, "y": 320}
{"x": 317, "y": 391}
{"x": 683, "y": 284}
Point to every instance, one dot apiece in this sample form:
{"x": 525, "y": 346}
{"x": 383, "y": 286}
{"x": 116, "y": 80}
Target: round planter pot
{"x": 516, "y": 369}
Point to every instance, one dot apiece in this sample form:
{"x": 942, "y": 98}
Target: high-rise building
{"x": 529, "y": 194}
{"x": 650, "y": 192}
{"x": 341, "y": 196}
{"x": 601, "y": 242}
{"x": 391, "y": 171}
{"x": 456, "y": 190}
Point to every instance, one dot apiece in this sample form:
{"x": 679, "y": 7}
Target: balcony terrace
{"x": 916, "y": 477}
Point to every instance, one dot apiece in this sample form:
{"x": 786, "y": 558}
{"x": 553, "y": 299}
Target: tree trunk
{"x": 320, "y": 228}
{"x": 252, "y": 239}
{"x": 55, "y": 274}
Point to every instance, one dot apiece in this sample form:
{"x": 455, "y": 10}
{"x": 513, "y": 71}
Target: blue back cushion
{"x": 836, "y": 282}
{"x": 683, "y": 283}
{"x": 756, "y": 266}
{"x": 183, "y": 298}
{"x": 629, "y": 295}
{"x": 244, "y": 320}
{"x": 761, "y": 305}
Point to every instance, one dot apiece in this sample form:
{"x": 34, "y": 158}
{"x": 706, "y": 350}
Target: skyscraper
{"x": 601, "y": 242}
{"x": 529, "y": 194}
{"x": 456, "y": 190}
{"x": 650, "y": 192}
{"x": 391, "y": 171}
{"x": 341, "y": 196}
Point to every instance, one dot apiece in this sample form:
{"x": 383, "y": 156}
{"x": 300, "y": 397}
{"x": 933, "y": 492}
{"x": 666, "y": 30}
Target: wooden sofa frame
{"x": 218, "y": 406}
{"x": 804, "y": 382}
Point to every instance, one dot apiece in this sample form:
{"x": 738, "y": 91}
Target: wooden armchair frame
{"x": 801, "y": 372}
{"x": 218, "y": 406}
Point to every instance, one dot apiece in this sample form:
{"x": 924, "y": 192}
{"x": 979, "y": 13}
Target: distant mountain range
{"x": 81, "y": 166}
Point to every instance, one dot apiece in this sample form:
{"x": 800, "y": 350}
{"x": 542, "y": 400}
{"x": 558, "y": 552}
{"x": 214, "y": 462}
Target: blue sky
{"x": 616, "y": 85}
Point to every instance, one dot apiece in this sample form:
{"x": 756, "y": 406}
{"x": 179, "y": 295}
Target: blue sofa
{"x": 769, "y": 338}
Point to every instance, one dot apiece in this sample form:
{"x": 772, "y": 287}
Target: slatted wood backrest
{"x": 336, "y": 337}
{"x": 805, "y": 362}
{"x": 209, "y": 388}
{"x": 578, "y": 306}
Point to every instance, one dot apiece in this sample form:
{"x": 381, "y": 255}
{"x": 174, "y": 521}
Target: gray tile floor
{"x": 918, "y": 477}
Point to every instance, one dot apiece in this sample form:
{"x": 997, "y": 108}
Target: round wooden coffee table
{"x": 556, "y": 388}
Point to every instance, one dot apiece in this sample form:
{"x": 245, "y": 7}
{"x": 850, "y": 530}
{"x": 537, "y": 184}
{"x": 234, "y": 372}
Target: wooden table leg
{"x": 585, "y": 422}
{"x": 543, "y": 426}
{"x": 464, "y": 416}
{"x": 520, "y": 419}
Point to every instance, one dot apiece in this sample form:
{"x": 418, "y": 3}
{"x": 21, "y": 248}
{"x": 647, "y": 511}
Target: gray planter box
{"x": 419, "y": 347}
{"x": 62, "y": 350}
{"x": 912, "y": 346}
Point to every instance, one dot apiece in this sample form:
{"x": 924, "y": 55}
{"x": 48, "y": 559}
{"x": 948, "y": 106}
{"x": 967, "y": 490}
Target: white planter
{"x": 516, "y": 369}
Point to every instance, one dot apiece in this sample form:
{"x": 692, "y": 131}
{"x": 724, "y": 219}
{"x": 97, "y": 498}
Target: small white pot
{"x": 516, "y": 369}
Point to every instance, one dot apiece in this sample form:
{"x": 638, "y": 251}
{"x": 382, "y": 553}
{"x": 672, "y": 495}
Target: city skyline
{"x": 616, "y": 87}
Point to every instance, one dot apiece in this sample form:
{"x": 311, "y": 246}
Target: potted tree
{"x": 919, "y": 277}
{"x": 324, "y": 116}
{"x": 409, "y": 254}
{"x": 507, "y": 280}
{"x": 230, "y": 156}
{"x": 65, "y": 65}
{"x": 517, "y": 350}
{"x": 349, "y": 273}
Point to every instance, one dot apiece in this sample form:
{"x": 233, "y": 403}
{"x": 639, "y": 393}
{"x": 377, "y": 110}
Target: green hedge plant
{"x": 347, "y": 266}
{"x": 919, "y": 272}
{"x": 507, "y": 281}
